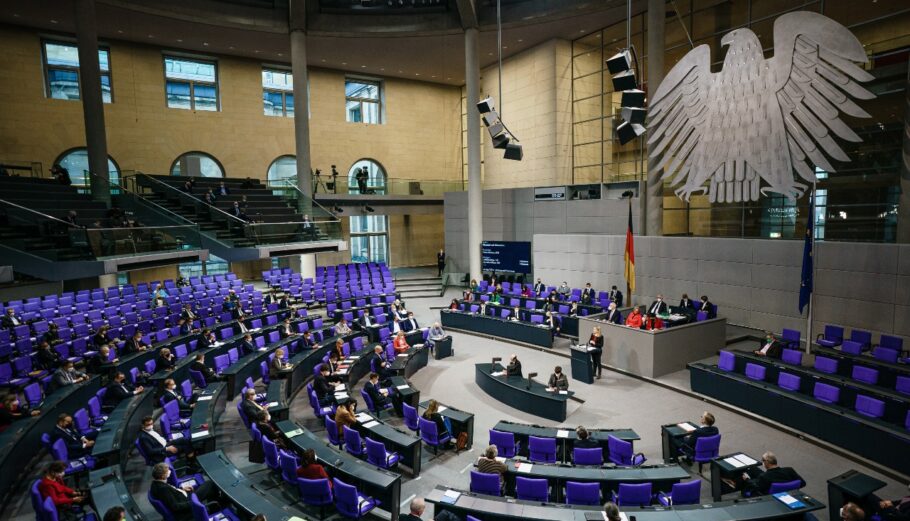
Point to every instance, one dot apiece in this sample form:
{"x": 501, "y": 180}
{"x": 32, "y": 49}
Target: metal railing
{"x": 390, "y": 186}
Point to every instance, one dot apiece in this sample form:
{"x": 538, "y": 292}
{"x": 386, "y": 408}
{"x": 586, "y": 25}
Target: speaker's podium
{"x": 582, "y": 365}
{"x": 853, "y": 486}
{"x": 442, "y": 348}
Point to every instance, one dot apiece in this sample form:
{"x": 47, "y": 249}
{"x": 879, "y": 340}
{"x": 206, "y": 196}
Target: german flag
{"x": 630, "y": 258}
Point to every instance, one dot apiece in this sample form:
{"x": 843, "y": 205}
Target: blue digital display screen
{"x": 505, "y": 256}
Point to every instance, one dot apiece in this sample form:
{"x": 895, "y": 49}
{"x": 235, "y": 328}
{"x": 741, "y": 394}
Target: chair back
{"x": 594, "y": 456}
{"x": 868, "y": 406}
{"x": 531, "y": 489}
{"x": 634, "y": 494}
{"x": 727, "y": 361}
{"x": 288, "y": 463}
{"x": 865, "y": 374}
{"x": 688, "y": 493}
{"x": 505, "y": 443}
{"x": 352, "y": 442}
{"x": 785, "y": 486}
{"x": 826, "y": 393}
{"x": 270, "y": 451}
{"x": 620, "y": 450}
{"x": 315, "y": 492}
{"x": 200, "y": 513}
{"x": 542, "y": 450}
{"x": 852, "y": 348}
{"x": 707, "y": 448}
{"x": 376, "y": 453}
{"x": 366, "y": 397}
{"x": 58, "y": 450}
{"x": 791, "y": 356}
{"x": 863, "y": 337}
{"x": 37, "y": 501}
{"x": 755, "y": 372}
{"x": 891, "y": 342}
{"x": 347, "y": 500}
{"x": 48, "y": 510}
{"x": 701, "y": 316}
{"x": 885, "y": 354}
{"x": 331, "y": 431}
{"x": 833, "y": 335}
{"x": 789, "y": 336}
{"x": 483, "y": 483}
{"x": 902, "y": 385}
{"x": 428, "y": 431}
{"x": 583, "y": 493}
{"x": 825, "y": 364}
{"x": 198, "y": 379}
{"x": 410, "y": 417}
{"x": 788, "y": 381}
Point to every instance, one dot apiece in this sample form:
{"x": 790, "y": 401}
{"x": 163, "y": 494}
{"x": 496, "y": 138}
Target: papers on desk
{"x": 341, "y": 396}
{"x": 746, "y": 460}
{"x": 739, "y": 461}
{"x": 339, "y": 387}
{"x": 441, "y": 408}
{"x": 294, "y": 433}
{"x": 204, "y": 398}
{"x": 789, "y": 500}
{"x": 272, "y": 404}
{"x": 370, "y": 425}
{"x": 199, "y": 434}
{"x": 677, "y": 316}
{"x": 543, "y": 326}
{"x": 354, "y": 357}
{"x": 524, "y": 467}
{"x": 450, "y": 496}
{"x": 342, "y": 371}
{"x": 500, "y": 459}
{"x": 402, "y": 387}
{"x": 562, "y": 434}
{"x": 688, "y": 427}
{"x": 498, "y": 373}
{"x": 261, "y": 349}
{"x": 402, "y": 355}
{"x": 563, "y": 392}
{"x": 363, "y": 417}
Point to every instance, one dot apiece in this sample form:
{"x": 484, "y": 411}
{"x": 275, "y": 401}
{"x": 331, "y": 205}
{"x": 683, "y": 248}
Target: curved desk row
{"x": 108, "y": 490}
{"x": 882, "y": 442}
{"x": 115, "y": 437}
{"x": 538, "y": 335}
{"x": 492, "y": 508}
{"x": 887, "y": 371}
{"x": 239, "y": 489}
{"x": 565, "y": 438}
{"x": 516, "y": 392}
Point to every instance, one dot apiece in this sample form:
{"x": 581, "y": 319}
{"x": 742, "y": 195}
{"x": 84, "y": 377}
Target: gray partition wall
{"x": 755, "y": 282}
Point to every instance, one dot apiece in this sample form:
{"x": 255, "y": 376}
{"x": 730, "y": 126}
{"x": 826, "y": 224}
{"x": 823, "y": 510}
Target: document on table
{"x": 341, "y": 396}
{"x": 339, "y": 387}
{"x": 441, "y": 408}
{"x": 363, "y": 417}
{"x": 199, "y": 434}
{"x": 733, "y": 462}
{"x": 563, "y": 392}
{"x": 272, "y": 404}
{"x": 498, "y": 373}
{"x": 686, "y": 426}
{"x": 204, "y": 398}
{"x": 745, "y": 460}
{"x": 401, "y": 387}
{"x": 562, "y": 434}
{"x": 354, "y": 357}
{"x": 370, "y": 425}
{"x": 342, "y": 371}
{"x": 294, "y": 433}
{"x": 524, "y": 467}
{"x": 500, "y": 459}
{"x": 451, "y": 496}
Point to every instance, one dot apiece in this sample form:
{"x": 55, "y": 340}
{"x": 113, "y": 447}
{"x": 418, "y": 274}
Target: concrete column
{"x": 92, "y": 103}
{"x": 301, "y": 103}
{"x": 106, "y": 281}
{"x": 475, "y": 190}
{"x": 903, "y": 209}
{"x": 657, "y": 17}
{"x": 305, "y": 265}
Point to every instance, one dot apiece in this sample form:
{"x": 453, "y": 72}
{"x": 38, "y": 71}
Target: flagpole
{"x": 814, "y": 264}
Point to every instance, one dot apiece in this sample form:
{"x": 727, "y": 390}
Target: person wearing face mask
{"x": 564, "y": 290}
{"x": 634, "y": 320}
{"x": 77, "y": 446}
{"x": 759, "y": 483}
{"x": 706, "y": 306}
{"x": 686, "y": 303}
{"x": 118, "y": 390}
{"x": 157, "y": 448}
{"x": 177, "y": 500}
{"x": 770, "y": 347}
{"x": 659, "y": 307}
{"x": 587, "y": 295}
{"x": 165, "y": 361}
{"x": 66, "y": 375}
{"x": 342, "y": 328}
{"x": 170, "y": 394}
{"x": 539, "y": 287}
{"x": 686, "y": 444}
{"x": 12, "y": 410}
{"x": 65, "y": 499}
{"x": 613, "y": 315}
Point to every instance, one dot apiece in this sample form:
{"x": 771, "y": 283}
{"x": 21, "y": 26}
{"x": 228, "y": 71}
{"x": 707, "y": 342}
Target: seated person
{"x": 400, "y": 343}
{"x": 325, "y": 390}
{"x": 333, "y": 366}
{"x": 488, "y": 464}
{"x": 659, "y": 307}
{"x": 118, "y": 390}
{"x": 165, "y": 361}
{"x": 614, "y": 316}
{"x": 338, "y": 348}
{"x": 11, "y": 319}
{"x": 376, "y": 393}
{"x": 496, "y": 297}
{"x": 77, "y": 445}
{"x": 588, "y": 294}
{"x": 891, "y": 509}
{"x": 616, "y": 296}
{"x": 170, "y": 394}
{"x": 135, "y": 344}
{"x": 306, "y": 341}
{"x": 551, "y": 322}
{"x": 12, "y": 410}
{"x": 759, "y": 483}
{"x": 409, "y": 324}
{"x": 525, "y": 291}
{"x": 514, "y": 367}
{"x": 67, "y": 375}
{"x": 199, "y": 366}
{"x": 65, "y": 499}
{"x": 539, "y": 287}
{"x": 249, "y": 407}
{"x": 342, "y": 328}
{"x": 852, "y": 512}
{"x": 516, "y": 314}
{"x": 573, "y": 309}
{"x": 770, "y": 347}
{"x": 611, "y": 512}
{"x": 558, "y": 381}
{"x": 366, "y": 320}
{"x": 286, "y": 330}
{"x": 206, "y": 339}
{"x": 100, "y": 336}
{"x": 52, "y": 336}
{"x": 563, "y": 290}
{"x": 188, "y": 314}
{"x": 635, "y": 320}
{"x": 247, "y": 346}
{"x": 102, "y": 363}
{"x": 453, "y": 306}
{"x": 46, "y": 358}
{"x": 706, "y": 306}
{"x": 432, "y": 414}
{"x": 584, "y": 440}
{"x": 435, "y": 334}
{"x": 263, "y": 422}
{"x": 310, "y": 469}
{"x": 686, "y": 445}
{"x": 382, "y": 366}
{"x": 277, "y": 367}
{"x": 176, "y": 500}
{"x": 685, "y": 303}
{"x": 345, "y": 416}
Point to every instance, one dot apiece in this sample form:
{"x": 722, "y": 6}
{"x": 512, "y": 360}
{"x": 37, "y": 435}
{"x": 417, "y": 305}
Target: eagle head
{"x": 744, "y": 47}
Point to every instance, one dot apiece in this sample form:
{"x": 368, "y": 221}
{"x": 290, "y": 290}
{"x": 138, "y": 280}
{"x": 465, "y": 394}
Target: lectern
{"x": 582, "y": 365}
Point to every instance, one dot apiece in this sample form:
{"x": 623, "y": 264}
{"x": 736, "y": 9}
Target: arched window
{"x": 75, "y": 160}
{"x": 197, "y": 164}
{"x": 375, "y": 180}
{"x": 282, "y": 169}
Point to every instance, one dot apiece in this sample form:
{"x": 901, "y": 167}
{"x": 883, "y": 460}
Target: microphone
{"x": 530, "y": 376}
{"x": 496, "y": 359}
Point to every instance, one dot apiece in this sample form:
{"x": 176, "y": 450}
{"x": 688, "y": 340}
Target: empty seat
{"x": 755, "y": 372}
{"x": 868, "y": 406}
{"x": 788, "y": 381}
{"x": 826, "y": 365}
{"x": 826, "y": 393}
{"x": 865, "y": 374}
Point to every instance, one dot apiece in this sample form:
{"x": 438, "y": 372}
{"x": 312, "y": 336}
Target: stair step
{"x": 417, "y": 282}
{"x": 422, "y": 294}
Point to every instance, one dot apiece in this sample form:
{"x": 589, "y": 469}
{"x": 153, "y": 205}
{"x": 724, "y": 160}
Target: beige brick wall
{"x": 537, "y": 88}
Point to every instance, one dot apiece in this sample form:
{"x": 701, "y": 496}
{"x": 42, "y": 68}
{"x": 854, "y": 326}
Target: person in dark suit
{"x": 891, "y": 509}
{"x": 100, "y": 336}
{"x": 176, "y": 500}
{"x": 613, "y": 315}
{"x": 325, "y": 390}
{"x": 247, "y": 346}
{"x": 185, "y": 326}
{"x": 558, "y": 381}
{"x": 66, "y": 375}
{"x": 165, "y": 361}
{"x": 539, "y": 287}
{"x": 759, "y": 483}
{"x": 206, "y": 339}
{"x": 77, "y": 445}
{"x": 46, "y": 358}
{"x": 366, "y": 320}
{"x": 170, "y": 394}
{"x": 552, "y": 322}
{"x": 596, "y": 349}
{"x": 770, "y": 347}
{"x": 514, "y": 367}
{"x": 188, "y": 313}
{"x": 249, "y": 406}
{"x": 588, "y": 294}
{"x": 135, "y": 344}
{"x": 417, "y": 507}
{"x": 686, "y": 444}
{"x": 223, "y": 190}
{"x": 306, "y": 341}
{"x": 157, "y": 447}
{"x": 52, "y": 336}
{"x": 659, "y": 307}
{"x": 686, "y": 303}
{"x": 10, "y": 319}
{"x": 376, "y": 393}
{"x": 286, "y": 330}
{"x": 382, "y": 366}
{"x": 409, "y": 324}
{"x": 118, "y": 390}
{"x": 616, "y": 296}
{"x": 208, "y": 373}
{"x": 706, "y": 306}
{"x": 584, "y": 440}
{"x": 277, "y": 368}
{"x": 283, "y": 302}
{"x": 263, "y": 421}
{"x": 102, "y": 363}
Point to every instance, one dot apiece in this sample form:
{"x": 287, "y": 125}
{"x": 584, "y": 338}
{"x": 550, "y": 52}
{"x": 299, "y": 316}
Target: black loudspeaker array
{"x": 632, "y": 106}
{"x": 500, "y": 135}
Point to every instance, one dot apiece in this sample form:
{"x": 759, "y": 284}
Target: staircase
{"x": 418, "y": 284}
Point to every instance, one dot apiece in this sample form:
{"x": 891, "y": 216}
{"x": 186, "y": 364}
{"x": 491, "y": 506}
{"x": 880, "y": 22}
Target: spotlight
{"x": 628, "y": 131}
{"x": 501, "y": 136}
{"x": 490, "y": 118}
{"x": 369, "y": 209}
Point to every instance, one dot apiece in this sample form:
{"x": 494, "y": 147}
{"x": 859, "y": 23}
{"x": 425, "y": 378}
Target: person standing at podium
{"x": 595, "y": 346}
{"x": 514, "y": 367}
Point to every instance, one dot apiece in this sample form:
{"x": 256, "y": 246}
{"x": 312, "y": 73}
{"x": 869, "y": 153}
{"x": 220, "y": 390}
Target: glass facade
{"x": 277, "y": 93}
{"x": 369, "y": 238}
{"x": 191, "y": 84}
{"x": 375, "y": 181}
{"x": 856, "y": 201}
{"x": 362, "y": 101}
{"x": 197, "y": 164}
{"x": 282, "y": 169}
{"x": 61, "y": 71}
{"x": 75, "y": 161}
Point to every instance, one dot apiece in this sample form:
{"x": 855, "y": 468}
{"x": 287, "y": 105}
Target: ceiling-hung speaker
{"x": 628, "y": 131}
{"x": 501, "y": 140}
{"x": 485, "y": 106}
{"x": 490, "y": 118}
{"x": 620, "y": 62}
{"x": 513, "y": 152}
{"x": 497, "y": 128}
{"x": 633, "y": 98}
{"x": 634, "y": 115}
{"x": 624, "y": 81}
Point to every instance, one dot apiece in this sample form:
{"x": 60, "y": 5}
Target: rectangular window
{"x": 191, "y": 84}
{"x": 369, "y": 238}
{"x": 277, "y": 93}
{"x": 362, "y": 101}
{"x": 61, "y": 70}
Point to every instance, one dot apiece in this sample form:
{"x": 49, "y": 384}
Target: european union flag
{"x": 805, "y": 284}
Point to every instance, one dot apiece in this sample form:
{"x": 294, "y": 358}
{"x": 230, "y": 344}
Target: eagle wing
{"x": 677, "y": 114}
{"x": 815, "y": 77}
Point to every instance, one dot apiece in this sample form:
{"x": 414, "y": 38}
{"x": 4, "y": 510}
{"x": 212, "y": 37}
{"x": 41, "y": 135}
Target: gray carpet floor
{"x": 616, "y": 401}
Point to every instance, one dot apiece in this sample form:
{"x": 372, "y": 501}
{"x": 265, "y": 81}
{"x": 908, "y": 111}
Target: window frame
{"x": 379, "y": 101}
{"x": 352, "y": 235}
{"x": 192, "y": 83}
{"x": 47, "y": 67}
{"x": 284, "y": 93}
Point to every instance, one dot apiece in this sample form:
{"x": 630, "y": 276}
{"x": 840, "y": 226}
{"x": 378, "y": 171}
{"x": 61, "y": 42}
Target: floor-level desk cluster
{"x": 531, "y": 397}
{"x": 534, "y": 334}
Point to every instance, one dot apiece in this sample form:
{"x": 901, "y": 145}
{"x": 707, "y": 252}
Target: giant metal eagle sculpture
{"x": 756, "y": 118}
